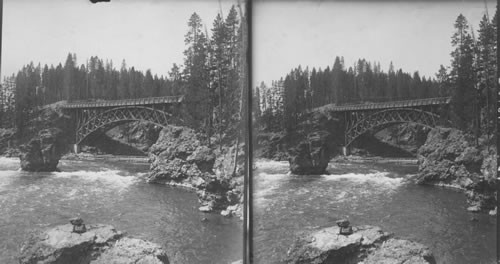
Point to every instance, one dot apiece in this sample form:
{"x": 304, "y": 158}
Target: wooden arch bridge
{"x": 92, "y": 116}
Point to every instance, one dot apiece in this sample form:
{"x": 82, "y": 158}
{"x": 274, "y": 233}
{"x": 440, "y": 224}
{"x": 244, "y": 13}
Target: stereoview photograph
{"x": 374, "y": 131}
{"x": 121, "y": 135}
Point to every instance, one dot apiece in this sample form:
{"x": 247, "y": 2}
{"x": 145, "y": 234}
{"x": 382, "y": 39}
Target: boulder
{"x": 99, "y": 244}
{"x": 42, "y": 153}
{"x": 450, "y": 158}
{"x": 313, "y": 143}
{"x": 400, "y": 251}
{"x": 181, "y": 157}
{"x": 368, "y": 244}
{"x": 311, "y": 156}
{"x": 133, "y": 251}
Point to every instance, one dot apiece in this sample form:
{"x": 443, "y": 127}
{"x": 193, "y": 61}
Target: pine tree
{"x": 462, "y": 75}
{"x": 486, "y": 67}
{"x": 196, "y": 71}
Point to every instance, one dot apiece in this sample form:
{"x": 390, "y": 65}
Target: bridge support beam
{"x": 345, "y": 151}
{"x": 76, "y": 148}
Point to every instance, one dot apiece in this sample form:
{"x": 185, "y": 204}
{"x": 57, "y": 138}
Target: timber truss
{"x": 91, "y": 117}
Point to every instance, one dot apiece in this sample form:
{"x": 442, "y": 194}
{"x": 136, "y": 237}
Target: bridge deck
{"x": 388, "y": 105}
{"x": 124, "y": 102}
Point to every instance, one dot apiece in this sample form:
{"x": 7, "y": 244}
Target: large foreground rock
{"x": 368, "y": 244}
{"x": 42, "y": 153}
{"x": 99, "y": 244}
{"x": 181, "y": 158}
{"x": 450, "y": 158}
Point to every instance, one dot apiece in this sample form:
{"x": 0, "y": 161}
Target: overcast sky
{"x": 414, "y": 35}
{"x": 148, "y": 34}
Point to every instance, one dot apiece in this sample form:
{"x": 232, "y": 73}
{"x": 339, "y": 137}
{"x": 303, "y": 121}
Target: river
{"x": 371, "y": 193}
{"x": 113, "y": 192}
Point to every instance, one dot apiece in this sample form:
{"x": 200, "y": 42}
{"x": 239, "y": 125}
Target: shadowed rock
{"x": 180, "y": 157}
{"x": 450, "y": 158}
{"x": 42, "y": 153}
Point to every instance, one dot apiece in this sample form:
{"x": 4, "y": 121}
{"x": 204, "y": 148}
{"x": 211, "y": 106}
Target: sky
{"x": 148, "y": 34}
{"x": 414, "y": 35}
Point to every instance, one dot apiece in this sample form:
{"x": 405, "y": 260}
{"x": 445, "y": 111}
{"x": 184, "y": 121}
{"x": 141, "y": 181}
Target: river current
{"x": 112, "y": 192}
{"x": 367, "y": 193}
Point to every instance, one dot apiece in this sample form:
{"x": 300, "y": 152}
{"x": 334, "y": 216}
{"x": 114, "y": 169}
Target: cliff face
{"x": 181, "y": 158}
{"x": 450, "y": 158}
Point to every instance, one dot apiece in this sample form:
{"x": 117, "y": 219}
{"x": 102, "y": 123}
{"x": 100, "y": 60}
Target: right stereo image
{"x": 374, "y": 132}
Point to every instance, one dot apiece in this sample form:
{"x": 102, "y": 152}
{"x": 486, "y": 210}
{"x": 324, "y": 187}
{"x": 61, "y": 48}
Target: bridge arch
{"x": 107, "y": 119}
{"x": 379, "y": 120}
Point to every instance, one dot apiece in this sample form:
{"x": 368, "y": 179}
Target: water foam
{"x": 108, "y": 177}
{"x": 265, "y": 164}
{"x": 265, "y": 184}
{"x": 9, "y": 163}
{"x": 379, "y": 178}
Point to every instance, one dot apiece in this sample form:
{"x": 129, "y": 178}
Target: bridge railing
{"x": 386, "y": 105}
{"x": 125, "y": 102}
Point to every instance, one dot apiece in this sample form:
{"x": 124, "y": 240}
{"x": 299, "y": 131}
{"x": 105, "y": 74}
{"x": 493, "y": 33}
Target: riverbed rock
{"x": 400, "y": 251}
{"x": 42, "y": 153}
{"x": 181, "y": 157}
{"x": 133, "y": 251}
{"x": 368, "y": 244}
{"x": 100, "y": 244}
{"x": 450, "y": 158}
{"x": 313, "y": 143}
{"x": 311, "y": 156}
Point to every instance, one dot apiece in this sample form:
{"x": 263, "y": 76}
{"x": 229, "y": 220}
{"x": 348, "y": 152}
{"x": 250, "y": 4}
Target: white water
{"x": 369, "y": 193}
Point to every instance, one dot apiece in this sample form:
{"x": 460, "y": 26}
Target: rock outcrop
{"x": 314, "y": 143}
{"x": 449, "y": 158}
{"x": 367, "y": 244}
{"x": 98, "y": 245}
{"x": 180, "y": 158}
{"x": 42, "y": 153}
{"x": 312, "y": 155}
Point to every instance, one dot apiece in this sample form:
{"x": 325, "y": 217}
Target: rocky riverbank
{"x": 181, "y": 158}
{"x": 450, "y": 158}
{"x": 98, "y": 244}
{"x": 366, "y": 244}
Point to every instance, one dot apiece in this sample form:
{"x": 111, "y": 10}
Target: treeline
{"x": 304, "y": 89}
{"x": 209, "y": 78}
{"x": 470, "y": 81}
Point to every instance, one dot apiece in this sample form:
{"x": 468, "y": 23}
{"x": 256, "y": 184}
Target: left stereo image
{"x": 122, "y": 131}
